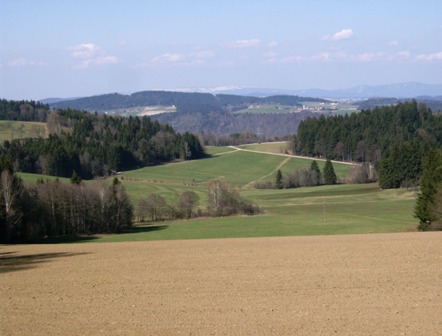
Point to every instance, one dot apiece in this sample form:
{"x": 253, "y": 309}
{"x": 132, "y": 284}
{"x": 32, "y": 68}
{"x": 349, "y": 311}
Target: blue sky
{"x": 82, "y": 48}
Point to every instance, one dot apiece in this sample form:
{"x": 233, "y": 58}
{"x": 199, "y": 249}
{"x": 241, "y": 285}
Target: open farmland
{"x": 141, "y": 111}
{"x": 330, "y": 210}
{"x": 381, "y": 284}
{"x": 330, "y": 107}
{"x": 338, "y": 209}
{"x": 240, "y": 168}
{"x": 269, "y": 108}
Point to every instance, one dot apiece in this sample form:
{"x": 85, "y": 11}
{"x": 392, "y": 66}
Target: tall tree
{"x": 329, "y": 173}
{"x": 187, "y": 203}
{"x": 278, "y": 181}
{"x": 315, "y": 173}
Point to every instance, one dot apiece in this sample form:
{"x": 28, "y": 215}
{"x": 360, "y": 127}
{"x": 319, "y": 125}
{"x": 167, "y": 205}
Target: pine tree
{"x": 75, "y": 178}
{"x": 278, "y": 179}
{"x": 316, "y": 173}
{"x": 329, "y": 173}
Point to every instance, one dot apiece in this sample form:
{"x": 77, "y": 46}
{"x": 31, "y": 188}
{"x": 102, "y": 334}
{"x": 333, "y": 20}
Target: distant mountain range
{"x": 398, "y": 90}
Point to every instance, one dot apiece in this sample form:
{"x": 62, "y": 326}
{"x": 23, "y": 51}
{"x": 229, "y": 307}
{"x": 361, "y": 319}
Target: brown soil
{"x": 383, "y": 284}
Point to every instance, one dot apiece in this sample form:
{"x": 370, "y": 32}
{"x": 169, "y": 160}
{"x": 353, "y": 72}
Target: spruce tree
{"x": 315, "y": 173}
{"x": 278, "y": 179}
{"x": 329, "y": 173}
{"x": 75, "y": 178}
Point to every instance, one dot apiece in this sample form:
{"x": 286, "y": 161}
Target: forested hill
{"x": 93, "y": 145}
{"x": 366, "y": 135}
{"x": 434, "y": 103}
{"x": 184, "y": 101}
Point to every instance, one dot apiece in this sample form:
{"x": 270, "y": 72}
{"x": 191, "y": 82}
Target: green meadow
{"x": 10, "y": 130}
{"x": 323, "y": 210}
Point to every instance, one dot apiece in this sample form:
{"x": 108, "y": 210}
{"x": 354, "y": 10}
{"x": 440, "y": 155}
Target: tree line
{"x": 312, "y": 176}
{"x": 364, "y": 136}
{"x": 53, "y": 209}
{"x": 23, "y": 110}
{"x": 96, "y": 145}
{"x": 223, "y": 200}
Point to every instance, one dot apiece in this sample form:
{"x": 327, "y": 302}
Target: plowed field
{"x": 379, "y": 284}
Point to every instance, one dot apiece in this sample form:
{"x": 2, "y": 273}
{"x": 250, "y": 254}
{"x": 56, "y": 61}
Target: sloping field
{"x": 380, "y": 284}
{"x": 10, "y": 130}
{"x": 237, "y": 167}
{"x": 323, "y": 210}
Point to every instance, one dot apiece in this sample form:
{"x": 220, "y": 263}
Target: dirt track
{"x": 389, "y": 284}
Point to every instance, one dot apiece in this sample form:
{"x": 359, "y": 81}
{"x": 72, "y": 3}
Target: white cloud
{"x": 403, "y": 54}
{"x": 393, "y": 43}
{"x": 168, "y": 58}
{"x": 91, "y": 55}
{"x": 193, "y": 58}
{"x": 245, "y": 43}
{"x": 84, "y": 50}
{"x": 328, "y": 56}
{"x": 323, "y": 57}
{"x": 429, "y": 57}
{"x": 23, "y": 62}
{"x": 98, "y": 61}
{"x": 271, "y": 54}
{"x": 271, "y": 57}
{"x": 343, "y": 34}
{"x": 202, "y": 54}
{"x": 272, "y": 44}
{"x": 292, "y": 59}
{"x": 368, "y": 56}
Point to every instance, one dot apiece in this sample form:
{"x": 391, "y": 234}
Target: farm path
{"x": 292, "y": 156}
{"x": 252, "y": 183}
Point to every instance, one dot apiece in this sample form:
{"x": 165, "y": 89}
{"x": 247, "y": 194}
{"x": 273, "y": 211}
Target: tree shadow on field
{"x": 144, "y": 228}
{"x": 10, "y": 262}
{"x": 64, "y": 239}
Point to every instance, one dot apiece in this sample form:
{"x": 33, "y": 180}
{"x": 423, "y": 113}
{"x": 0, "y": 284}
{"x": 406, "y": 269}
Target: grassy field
{"x": 268, "y": 147}
{"x": 290, "y": 164}
{"x": 268, "y": 108}
{"x": 10, "y": 130}
{"x": 33, "y": 178}
{"x": 142, "y": 110}
{"x": 339, "y": 108}
{"x": 323, "y": 210}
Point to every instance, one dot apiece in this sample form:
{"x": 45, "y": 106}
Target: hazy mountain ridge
{"x": 397, "y": 90}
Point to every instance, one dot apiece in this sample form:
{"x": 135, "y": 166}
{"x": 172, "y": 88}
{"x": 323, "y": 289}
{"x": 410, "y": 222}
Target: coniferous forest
{"x": 394, "y": 138}
{"x": 93, "y": 145}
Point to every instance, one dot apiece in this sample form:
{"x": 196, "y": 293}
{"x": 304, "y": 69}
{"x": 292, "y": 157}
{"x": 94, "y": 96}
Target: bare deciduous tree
{"x": 187, "y": 203}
